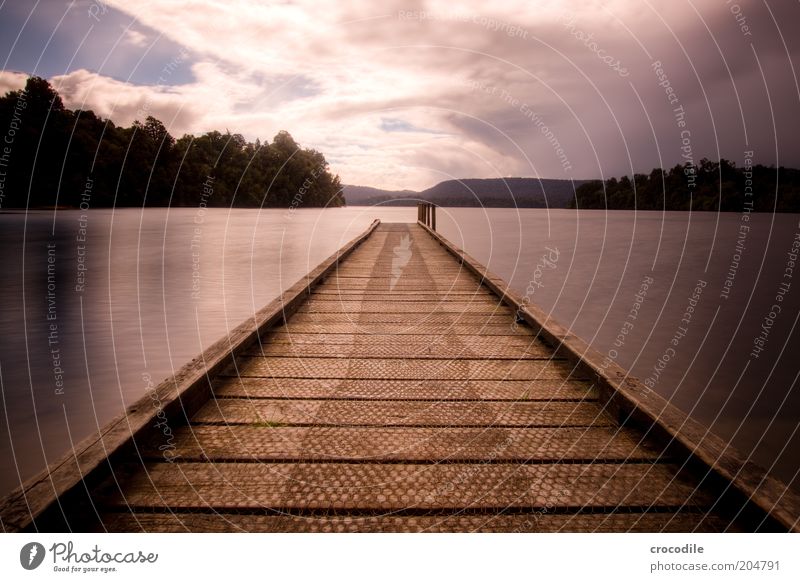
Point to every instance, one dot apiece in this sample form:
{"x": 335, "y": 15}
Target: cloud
{"x": 125, "y": 102}
{"x": 403, "y": 94}
{"x": 134, "y": 37}
{"x": 11, "y": 81}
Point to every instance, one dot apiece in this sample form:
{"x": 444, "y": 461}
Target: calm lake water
{"x": 149, "y": 290}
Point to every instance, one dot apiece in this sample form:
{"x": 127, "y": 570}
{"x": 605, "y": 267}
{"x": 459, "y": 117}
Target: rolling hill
{"x": 490, "y": 192}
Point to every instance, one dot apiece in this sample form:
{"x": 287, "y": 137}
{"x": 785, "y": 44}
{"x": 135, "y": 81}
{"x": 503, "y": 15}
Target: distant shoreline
{"x": 392, "y": 205}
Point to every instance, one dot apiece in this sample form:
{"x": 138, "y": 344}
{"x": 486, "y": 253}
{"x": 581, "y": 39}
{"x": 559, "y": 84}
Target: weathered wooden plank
{"x": 348, "y": 444}
{"x": 333, "y": 294}
{"x": 403, "y": 328}
{"x": 476, "y": 320}
{"x": 445, "y": 369}
{"x": 522, "y": 344}
{"x": 388, "y": 285}
{"x": 388, "y": 487}
{"x": 388, "y": 346}
{"x": 270, "y": 413}
{"x": 408, "y": 309}
{"x": 389, "y": 281}
{"x": 420, "y": 281}
{"x": 530, "y": 522}
{"x": 431, "y": 390}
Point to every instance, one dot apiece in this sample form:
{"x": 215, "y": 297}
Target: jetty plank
{"x": 242, "y": 442}
{"x": 383, "y": 487}
{"x": 667, "y": 522}
{"x": 402, "y": 413}
{"x": 426, "y": 390}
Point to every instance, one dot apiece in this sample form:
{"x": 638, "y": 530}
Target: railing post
{"x": 433, "y": 217}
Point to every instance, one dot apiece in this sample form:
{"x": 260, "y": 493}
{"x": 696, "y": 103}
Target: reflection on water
{"x": 682, "y": 300}
{"x": 93, "y": 309}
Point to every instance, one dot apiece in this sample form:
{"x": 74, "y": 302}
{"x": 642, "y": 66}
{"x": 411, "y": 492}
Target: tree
{"x": 710, "y": 186}
{"x": 57, "y": 151}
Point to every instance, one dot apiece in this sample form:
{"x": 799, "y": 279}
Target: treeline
{"x": 716, "y": 186}
{"x": 52, "y": 156}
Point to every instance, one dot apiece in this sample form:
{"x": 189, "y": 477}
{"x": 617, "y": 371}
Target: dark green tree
{"x": 56, "y": 152}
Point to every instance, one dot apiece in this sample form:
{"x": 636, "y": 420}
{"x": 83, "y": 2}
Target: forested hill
{"x": 503, "y": 192}
{"x": 715, "y": 186}
{"x": 55, "y": 156}
{"x": 489, "y": 192}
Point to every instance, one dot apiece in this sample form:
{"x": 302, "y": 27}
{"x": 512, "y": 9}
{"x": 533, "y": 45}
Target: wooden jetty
{"x": 401, "y": 387}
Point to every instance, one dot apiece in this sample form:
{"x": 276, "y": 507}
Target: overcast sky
{"x": 406, "y": 94}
